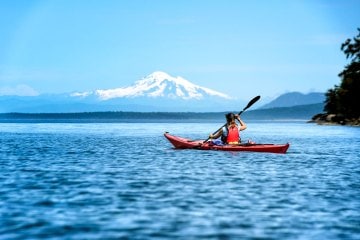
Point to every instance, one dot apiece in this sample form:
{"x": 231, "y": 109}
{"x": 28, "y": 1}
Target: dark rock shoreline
{"x": 334, "y": 119}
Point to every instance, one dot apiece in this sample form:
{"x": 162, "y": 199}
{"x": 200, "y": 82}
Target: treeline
{"x": 344, "y": 100}
{"x": 303, "y": 112}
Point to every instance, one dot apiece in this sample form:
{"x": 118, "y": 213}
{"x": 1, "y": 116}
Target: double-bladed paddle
{"x": 255, "y": 99}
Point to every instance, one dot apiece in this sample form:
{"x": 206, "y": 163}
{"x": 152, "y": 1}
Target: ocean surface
{"x": 125, "y": 181}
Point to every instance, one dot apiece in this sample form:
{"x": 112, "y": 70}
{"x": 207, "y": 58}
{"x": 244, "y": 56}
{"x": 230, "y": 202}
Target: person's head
{"x": 230, "y": 118}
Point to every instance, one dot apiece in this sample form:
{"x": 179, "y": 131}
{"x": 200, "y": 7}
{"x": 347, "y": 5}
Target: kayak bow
{"x": 184, "y": 143}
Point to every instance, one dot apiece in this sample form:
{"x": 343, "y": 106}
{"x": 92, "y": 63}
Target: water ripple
{"x": 110, "y": 182}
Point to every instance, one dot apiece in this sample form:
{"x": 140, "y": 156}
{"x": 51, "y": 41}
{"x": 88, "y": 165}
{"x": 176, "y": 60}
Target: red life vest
{"x": 233, "y": 135}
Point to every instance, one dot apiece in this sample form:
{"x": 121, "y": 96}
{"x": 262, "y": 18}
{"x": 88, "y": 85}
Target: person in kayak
{"x": 230, "y": 134}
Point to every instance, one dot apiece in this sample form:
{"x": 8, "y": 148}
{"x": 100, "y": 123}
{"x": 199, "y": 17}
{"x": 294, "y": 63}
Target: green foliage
{"x": 345, "y": 99}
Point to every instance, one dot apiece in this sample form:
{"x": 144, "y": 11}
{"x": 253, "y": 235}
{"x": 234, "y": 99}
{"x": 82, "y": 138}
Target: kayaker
{"x": 230, "y": 134}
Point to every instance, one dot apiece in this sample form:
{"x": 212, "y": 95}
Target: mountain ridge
{"x": 295, "y": 99}
{"x": 157, "y": 92}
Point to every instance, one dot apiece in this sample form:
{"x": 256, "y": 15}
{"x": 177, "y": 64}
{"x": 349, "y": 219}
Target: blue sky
{"x": 241, "y": 48}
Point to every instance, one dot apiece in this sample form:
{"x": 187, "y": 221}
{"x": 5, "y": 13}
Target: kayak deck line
{"x": 185, "y": 143}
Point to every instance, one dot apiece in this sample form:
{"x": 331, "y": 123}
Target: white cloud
{"x": 19, "y": 90}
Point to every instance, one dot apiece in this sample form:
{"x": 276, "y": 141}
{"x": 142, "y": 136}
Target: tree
{"x": 345, "y": 99}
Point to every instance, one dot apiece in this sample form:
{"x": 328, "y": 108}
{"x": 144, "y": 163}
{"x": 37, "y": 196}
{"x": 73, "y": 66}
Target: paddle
{"x": 254, "y": 100}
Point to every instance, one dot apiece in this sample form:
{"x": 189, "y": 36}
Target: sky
{"x": 241, "y": 48}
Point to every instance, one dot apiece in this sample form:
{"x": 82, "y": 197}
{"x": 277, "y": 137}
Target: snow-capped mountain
{"x": 156, "y": 92}
{"x": 158, "y": 84}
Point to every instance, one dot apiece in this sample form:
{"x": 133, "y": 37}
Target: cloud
{"x": 19, "y": 90}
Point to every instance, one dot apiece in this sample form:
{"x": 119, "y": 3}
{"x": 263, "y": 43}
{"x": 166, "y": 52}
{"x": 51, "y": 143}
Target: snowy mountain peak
{"x": 161, "y": 84}
{"x": 159, "y": 76}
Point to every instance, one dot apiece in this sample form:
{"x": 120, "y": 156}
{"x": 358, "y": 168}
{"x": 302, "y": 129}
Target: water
{"x": 124, "y": 181}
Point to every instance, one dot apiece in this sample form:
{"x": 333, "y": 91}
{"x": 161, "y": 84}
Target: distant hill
{"x": 296, "y": 112}
{"x": 295, "y": 99}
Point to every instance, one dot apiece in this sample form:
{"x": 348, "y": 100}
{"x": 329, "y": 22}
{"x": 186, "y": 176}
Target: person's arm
{"x": 216, "y": 135}
{"x": 242, "y": 124}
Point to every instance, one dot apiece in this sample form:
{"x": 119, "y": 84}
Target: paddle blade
{"x": 254, "y": 100}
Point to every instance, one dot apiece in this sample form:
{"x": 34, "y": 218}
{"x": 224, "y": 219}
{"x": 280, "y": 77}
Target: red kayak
{"x": 184, "y": 143}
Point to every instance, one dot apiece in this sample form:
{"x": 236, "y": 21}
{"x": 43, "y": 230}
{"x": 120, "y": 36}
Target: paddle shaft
{"x": 255, "y": 99}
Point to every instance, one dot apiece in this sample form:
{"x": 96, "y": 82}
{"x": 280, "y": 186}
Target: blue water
{"x": 124, "y": 181}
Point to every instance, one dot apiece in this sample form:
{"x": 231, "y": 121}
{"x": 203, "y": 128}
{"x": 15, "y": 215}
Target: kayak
{"x": 184, "y": 143}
